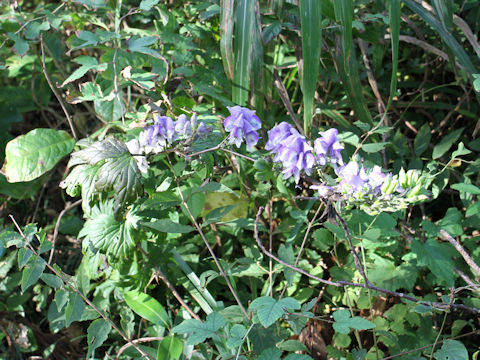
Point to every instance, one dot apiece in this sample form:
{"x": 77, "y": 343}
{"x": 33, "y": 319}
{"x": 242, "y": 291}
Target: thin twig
{"x": 170, "y": 286}
{"x": 356, "y": 257}
{"x": 219, "y": 147}
{"x": 74, "y": 288}
{"x": 57, "y": 226}
{"x": 202, "y": 235}
{"x": 286, "y": 100}
{"x": 343, "y": 283}
{"x": 446, "y": 236}
{"x": 136, "y": 341}
{"x": 59, "y": 98}
{"x": 467, "y": 279}
{"x": 305, "y": 237}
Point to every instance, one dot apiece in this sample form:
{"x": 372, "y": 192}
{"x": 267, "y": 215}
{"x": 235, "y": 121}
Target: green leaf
{"x": 460, "y": 151}
{"x": 311, "y": 27}
{"x": 118, "y": 172}
{"x": 168, "y": 226}
{"x": 146, "y": 5}
{"x": 97, "y": 333}
{"x": 237, "y": 332}
{"x": 52, "y": 280}
{"x": 32, "y": 272}
{"x": 243, "y": 48}
{"x": 422, "y": 140}
{"x": 110, "y": 110}
{"x": 104, "y": 232}
{"x": 374, "y": 147}
{"x": 214, "y": 187}
{"x": 87, "y": 63}
{"x": 468, "y": 188}
{"x": 200, "y": 331}
{"x": 384, "y": 273}
{"x": 32, "y": 30}
{"x": 147, "y": 307}
{"x": 20, "y": 46}
{"x": 61, "y": 298}
{"x": 74, "y": 309}
{"x": 433, "y": 255}
{"x": 394, "y": 15}
{"x": 270, "y": 310}
{"x": 92, "y": 4}
{"x": 292, "y": 345}
{"x": 271, "y": 353}
{"x": 23, "y": 256}
{"x": 141, "y": 45}
{"x": 226, "y": 36}
{"x": 451, "y": 350}
{"x": 298, "y": 357}
{"x": 343, "y": 322}
{"x": 30, "y": 156}
{"x": 446, "y": 143}
{"x": 170, "y": 348}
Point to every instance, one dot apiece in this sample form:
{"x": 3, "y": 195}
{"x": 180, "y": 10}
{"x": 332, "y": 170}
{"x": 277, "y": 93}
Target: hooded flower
{"x": 154, "y": 139}
{"x": 291, "y": 149}
{"x": 327, "y": 148}
{"x": 242, "y": 124}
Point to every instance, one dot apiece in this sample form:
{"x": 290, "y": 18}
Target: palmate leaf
{"x": 103, "y": 232}
{"x": 199, "y": 331}
{"x": 102, "y": 167}
{"x": 270, "y": 310}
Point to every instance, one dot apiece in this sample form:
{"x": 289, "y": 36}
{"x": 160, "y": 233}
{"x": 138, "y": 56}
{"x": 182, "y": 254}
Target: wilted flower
{"x": 242, "y": 124}
{"x": 291, "y": 149}
{"x": 327, "y": 148}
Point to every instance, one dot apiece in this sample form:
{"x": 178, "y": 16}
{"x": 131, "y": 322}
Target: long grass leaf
{"x": 311, "y": 20}
{"x": 258, "y": 65}
{"x": 199, "y": 293}
{"x": 394, "y": 12}
{"x": 347, "y": 61}
{"x": 243, "y": 43}
{"x": 226, "y": 35}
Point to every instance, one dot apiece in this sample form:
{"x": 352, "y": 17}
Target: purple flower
{"x": 183, "y": 126}
{"x": 375, "y": 179}
{"x": 242, "y": 124}
{"x": 327, "y": 148}
{"x": 291, "y": 149}
{"x": 353, "y": 178}
{"x": 154, "y": 138}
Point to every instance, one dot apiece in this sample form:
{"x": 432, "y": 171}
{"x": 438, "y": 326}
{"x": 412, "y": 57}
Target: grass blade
{"x": 243, "y": 43}
{"x": 311, "y": 19}
{"x": 226, "y": 35}
{"x": 394, "y": 13}
{"x": 347, "y": 61}
{"x": 257, "y": 64}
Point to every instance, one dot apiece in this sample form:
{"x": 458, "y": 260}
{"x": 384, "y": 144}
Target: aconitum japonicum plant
{"x": 242, "y": 124}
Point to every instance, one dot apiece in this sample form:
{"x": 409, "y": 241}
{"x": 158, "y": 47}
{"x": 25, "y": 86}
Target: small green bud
{"x": 402, "y": 178}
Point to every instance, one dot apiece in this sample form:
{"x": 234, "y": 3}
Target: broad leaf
{"x": 168, "y": 226}
{"x": 147, "y": 307}
{"x": 141, "y": 45}
{"x": 452, "y": 350}
{"x": 52, "y": 280}
{"x": 116, "y": 171}
{"x": 237, "y": 333}
{"x": 32, "y": 272}
{"x": 200, "y": 331}
{"x": 104, "y": 232}
{"x": 97, "y": 333}
{"x": 30, "y": 156}
{"x": 87, "y": 63}
{"x": 343, "y": 322}
{"x": 270, "y": 310}
{"x": 170, "y": 348}
{"x": 446, "y": 143}
{"x": 74, "y": 309}
{"x": 386, "y": 274}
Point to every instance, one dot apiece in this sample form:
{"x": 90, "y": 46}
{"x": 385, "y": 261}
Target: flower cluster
{"x": 157, "y": 137}
{"x": 327, "y": 147}
{"x": 356, "y": 181}
{"x": 242, "y": 124}
{"x": 291, "y": 149}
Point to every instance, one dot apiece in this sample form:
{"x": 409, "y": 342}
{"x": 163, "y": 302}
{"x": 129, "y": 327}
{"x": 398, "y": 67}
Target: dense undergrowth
{"x": 148, "y": 212}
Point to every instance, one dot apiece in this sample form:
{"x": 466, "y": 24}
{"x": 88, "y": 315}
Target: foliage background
{"x": 399, "y": 79}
